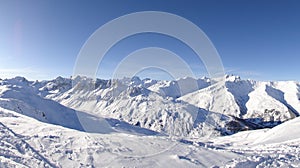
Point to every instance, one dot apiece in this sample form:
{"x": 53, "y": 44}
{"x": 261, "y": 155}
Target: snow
{"x": 214, "y": 98}
{"x": 71, "y": 148}
{"x": 147, "y": 123}
{"x": 261, "y": 100}
{"x": 28, "y": 142}
{"x": 179, "y": 87}
{"x": 23, "y": 100}
{"x": 291, "y": 93}
{"x": 282, "y": 133}
{"x": 271, "y": 101}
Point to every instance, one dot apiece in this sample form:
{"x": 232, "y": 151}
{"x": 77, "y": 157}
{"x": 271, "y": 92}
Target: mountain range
{"x": 170, "y": 107}
{"x": 183, "y": 111}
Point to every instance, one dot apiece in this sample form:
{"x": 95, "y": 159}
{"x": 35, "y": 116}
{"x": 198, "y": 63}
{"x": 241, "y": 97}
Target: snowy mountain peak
{"x": 20, "y": 81}
{"x": 135, "y": 80}
{"x": 232, "y": 78}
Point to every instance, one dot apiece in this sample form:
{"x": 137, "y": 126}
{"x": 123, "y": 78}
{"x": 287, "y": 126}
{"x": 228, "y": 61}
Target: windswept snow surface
{"x": 148, "y": 123}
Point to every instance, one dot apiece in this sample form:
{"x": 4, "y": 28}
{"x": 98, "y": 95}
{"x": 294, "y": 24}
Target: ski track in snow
{"x": 17, "y": 150}
{"x": 37, "y": 144}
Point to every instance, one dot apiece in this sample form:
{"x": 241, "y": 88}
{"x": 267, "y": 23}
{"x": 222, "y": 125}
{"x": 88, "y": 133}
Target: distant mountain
{"x": 183, "y": 107}
{"x": 248, "y": 99}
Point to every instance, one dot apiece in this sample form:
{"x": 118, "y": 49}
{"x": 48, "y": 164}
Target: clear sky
{"x": 255, "y": 39}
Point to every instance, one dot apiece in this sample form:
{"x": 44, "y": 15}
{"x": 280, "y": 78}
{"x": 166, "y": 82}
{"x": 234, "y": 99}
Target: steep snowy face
{"x": 215, "y": 98}
{"x": 240, "y": 90}
{"x": 59, "y": 84}
{"x": 179, "y": 87}
{"x": 143, "y": 108}
{"x": 82, "y": 98}
{"x": 289, "y": 93}
{"x": 56, "y": 86}
{"x": 229, "y": 98}
{"x": 166, "y": 88}
{"x": 265, "y": 101}
{"x": 148, "y": 82}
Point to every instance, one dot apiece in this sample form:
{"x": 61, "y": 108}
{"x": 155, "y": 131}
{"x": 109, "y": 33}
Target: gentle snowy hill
{"x": 285, "y": 132}
{"x": 276, "y": 147}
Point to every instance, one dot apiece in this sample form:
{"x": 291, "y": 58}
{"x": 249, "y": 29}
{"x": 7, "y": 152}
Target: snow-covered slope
{"x": 214, "y": 98}
{"x": 263, "y": 101}
{"x": 127, "y": 101}
{"x": 285, "y": 132}
{"x": 26, "y": 142}
{"x": 132, "y": 102}
{"x": 125, "y": 123}
{"x": 154, "y": 104}
{"x": 179, "y": 87}
{"x": 289, "y": 93}
{"x": 17, "y": 95}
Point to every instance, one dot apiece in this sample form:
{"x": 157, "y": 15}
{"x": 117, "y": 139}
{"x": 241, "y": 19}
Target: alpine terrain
{"x": 133, "y": 122}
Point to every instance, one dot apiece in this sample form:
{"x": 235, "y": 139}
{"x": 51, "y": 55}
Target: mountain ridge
{"x": 161, "y": 105}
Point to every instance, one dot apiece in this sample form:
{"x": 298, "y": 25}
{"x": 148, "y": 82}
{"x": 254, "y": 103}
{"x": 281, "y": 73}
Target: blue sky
{"x": 255, "y": 39}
